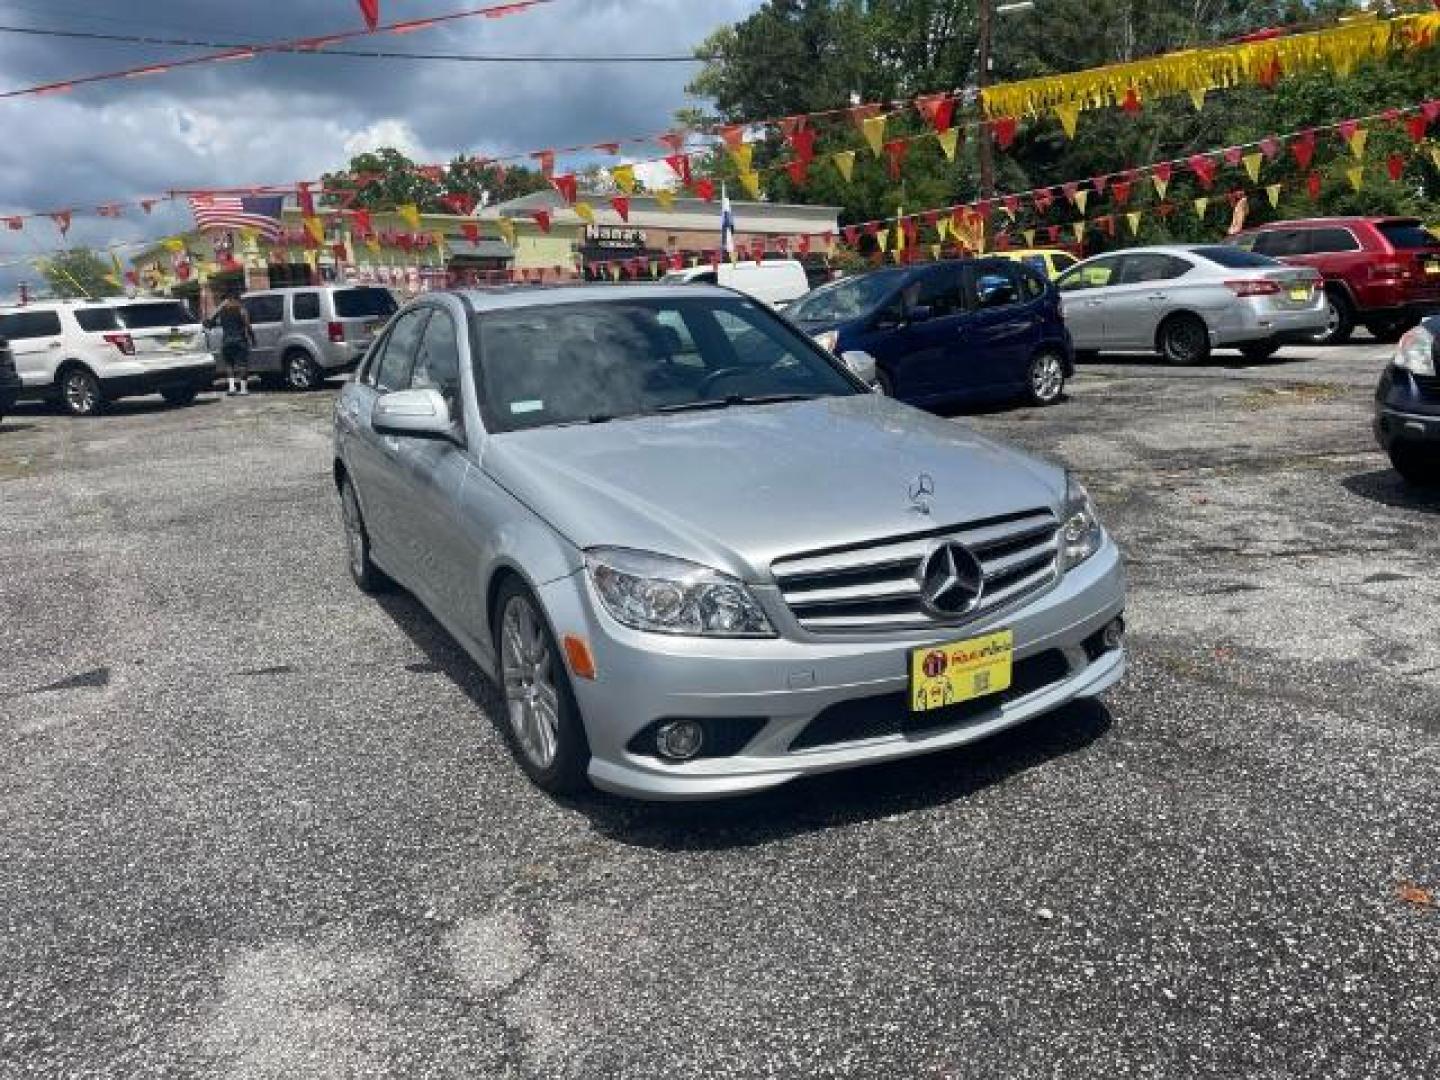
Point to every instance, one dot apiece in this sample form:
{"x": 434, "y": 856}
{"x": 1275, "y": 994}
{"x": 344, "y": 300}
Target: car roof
{"x": 1018, "y": 253}
{"x": 512, "y": 297}
{"x": 1307, "y": 223}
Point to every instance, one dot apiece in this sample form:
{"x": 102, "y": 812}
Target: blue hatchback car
{"x": 962, "y": 330}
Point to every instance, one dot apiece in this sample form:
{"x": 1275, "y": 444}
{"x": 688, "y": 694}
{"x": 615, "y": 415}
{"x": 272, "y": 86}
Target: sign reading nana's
{"x": 615, "y": 236}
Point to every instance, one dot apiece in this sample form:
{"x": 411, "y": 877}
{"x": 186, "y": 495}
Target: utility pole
{"x": 984, "y": 148}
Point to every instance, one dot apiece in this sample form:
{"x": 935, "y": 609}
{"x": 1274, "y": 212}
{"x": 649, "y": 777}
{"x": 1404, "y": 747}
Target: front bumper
{"x": 1407, "y": 409}
{"x": 780, "y": 685}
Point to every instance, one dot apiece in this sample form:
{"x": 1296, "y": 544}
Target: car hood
{"x": 739, "y": 487}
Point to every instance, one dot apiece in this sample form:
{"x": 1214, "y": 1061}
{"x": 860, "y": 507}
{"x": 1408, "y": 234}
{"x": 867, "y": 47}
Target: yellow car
{"x": 1052, "y": 262}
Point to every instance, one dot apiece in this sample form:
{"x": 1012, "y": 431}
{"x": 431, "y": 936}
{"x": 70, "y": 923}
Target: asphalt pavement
{"x": 256, "y": 824}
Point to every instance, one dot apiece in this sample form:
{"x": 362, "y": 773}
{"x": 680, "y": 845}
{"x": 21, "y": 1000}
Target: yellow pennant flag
{"x": 1252, "y": 165}
{"x": 1081, "y": 198}
{"x": 315, "y": 229}
{"x": 935, "y": 252}
{"x": 882, "y": 238}
{"x": 949, "y": 139}
{"x": 1201, "y": 204}
{"x": 1197, "y": 97}
{"x": 742, "y": 154}
{"x": 751, "y": 181}
{"x": 507, "y": 230}
{"x": 1356, "y": 175}
{"x": 174, "y": 243}
{"x": 1273, "y": 194}
{"x": 614, "y": 272}
{"x": 942, "y": 227}
{"x": 1029, "y": 235}
{"x": 899, "y": 230}
{"x": 666, "y": 199}
{"x": 585, "y": 212}
{"x": 372, "y": 242}
{"x": 845, "y": 163}
{"x": 1357, "y": 143}
{"x": 439, "y": 242}
{"x": 1133, "y": 220}
{"x": 1160, "y": 185}
{"x": 410, "y": 214}
{"x": 873, "y": 128}
{"x": 624, "y": 177}
{"x": 1078, "y": 228}
{"x": 1069, "y": 114}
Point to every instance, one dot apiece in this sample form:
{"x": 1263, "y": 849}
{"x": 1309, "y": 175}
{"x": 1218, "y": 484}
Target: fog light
{"x": 679, "y": 740}
{"x": 1113, "y": 634}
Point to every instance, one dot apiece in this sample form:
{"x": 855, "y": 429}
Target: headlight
{"x": 671, "y": 596}
{"x": 1416, "y": 352}
{"x": 1080, "y": 531}
{"x": 828, "y": 340}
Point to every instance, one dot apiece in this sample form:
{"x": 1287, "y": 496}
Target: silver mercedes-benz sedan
{"x": 1183, "y": 301}
{"x": 697, "y": 554}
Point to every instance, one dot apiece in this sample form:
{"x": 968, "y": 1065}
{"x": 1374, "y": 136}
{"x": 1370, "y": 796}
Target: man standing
{"x": 236, "y": 337}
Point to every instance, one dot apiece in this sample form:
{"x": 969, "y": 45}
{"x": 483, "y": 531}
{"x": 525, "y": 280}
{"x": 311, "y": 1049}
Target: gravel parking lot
{"x": 259, "y": 825}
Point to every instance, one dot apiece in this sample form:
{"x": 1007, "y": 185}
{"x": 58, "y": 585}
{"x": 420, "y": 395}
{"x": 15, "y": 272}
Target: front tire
{"x": 368, "y": 577}
{"x": 1418, "y": 466}
{"x": 1341, "y": 320}
{"x": 80, "y": 393}
{"x": 1045, "y": 381}
{"x": 301, "y": 372}
{"x": 1258, "y": 351}
{"x": 546, "y": 734}
{"x": 1184, "y": 340}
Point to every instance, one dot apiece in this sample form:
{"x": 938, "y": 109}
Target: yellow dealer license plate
{"x": 948, "y": 674}
{"x": 1301, "y": 293}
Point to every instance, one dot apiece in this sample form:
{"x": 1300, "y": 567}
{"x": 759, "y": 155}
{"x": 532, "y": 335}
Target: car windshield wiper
{"x": 733, "y": 399}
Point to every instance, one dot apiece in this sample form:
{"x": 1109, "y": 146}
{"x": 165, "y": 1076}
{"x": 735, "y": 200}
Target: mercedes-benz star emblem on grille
{"x": 921, "y": 491}
{"x": 951, "y": 580}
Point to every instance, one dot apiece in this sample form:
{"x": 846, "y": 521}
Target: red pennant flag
{"x": 675, "y": 140}
{"x": 1099, "y": 183}
{"x": 802, "y": 140}
{"x": 1052, "y": 234}
{"x": 1312, "y": 185}
{"x": 680, "y": 163}
{"x": 1270, "y": 147}
{"x": 1391, "y": 115}
{"x": 565, "y": 184}
{"x": 339, "y": 253}
{"x": 677, "y": 260}
{"x": 471, "y": 231}
{"x": 938, "y": 110}
{"x": 1003, "y": 128}
{"x": 798, "y": 169}
{"x": 460, "y": 202}
{"x": 622, "y": 207}
{"x": 802, "y": 244}
{"x": 1395, "y": 166}
{"x": 1346, "y": 130}
{"x": 542, "y": 218}
{"x": 782, "y": 244}
{"x": 370, "y": 9}
{"x": 1234, "y": 155}
{"x": 1120, "y": 192}
{"x": 734, "y": 135}
{"x": 1415, "y": 126}
{"x": 611, "y": 148}
{"x": 1165, "y": 209}
{"x": 362, "y": 222}
{"x": 1131, "y": 104}
{"x": 705, "y": 188}
{"x": 546, "y": 158}
{"x": 1204, "y": 169}
{"x": 714, "y": 259}
{"x": 1164, "y": 171}
{"x": 62, "y": 221}
{"x": 1012, "y": 205}
{"x": 132, "y": 277}
{"x": 1303, "y": 147}
{"x": 852, "y": 234}
{"x": 1043, "y": 200}
{"x": 1430, "y": 110}
{"x": 302, "y": 196}
{"x": 930, "y": 217}
{"x": 1107, "y": 223}
{"x": 895, "y": 151}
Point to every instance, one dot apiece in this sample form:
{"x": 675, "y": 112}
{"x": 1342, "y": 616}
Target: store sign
{"x": 612, "y": 236}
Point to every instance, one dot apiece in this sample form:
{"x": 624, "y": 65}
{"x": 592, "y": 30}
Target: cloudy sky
{"x": 278, "y": 118}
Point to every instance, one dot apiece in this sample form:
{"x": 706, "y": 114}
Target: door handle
{"x": 1159, "y": 296}
{"x": 52, "y": 344}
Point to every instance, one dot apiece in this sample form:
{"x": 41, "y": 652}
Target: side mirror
{"x": 996, "y": 294}
{"x": 861, "y": 365}
{"x": 416, "y": 414}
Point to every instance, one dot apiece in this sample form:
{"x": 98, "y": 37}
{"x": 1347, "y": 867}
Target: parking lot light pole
{"x": 988, "y": 11}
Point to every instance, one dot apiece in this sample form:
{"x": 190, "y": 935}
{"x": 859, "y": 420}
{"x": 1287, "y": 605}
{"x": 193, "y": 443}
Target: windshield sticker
{"x": 526, "y": 406}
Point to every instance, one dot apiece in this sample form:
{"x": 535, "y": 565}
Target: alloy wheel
{"x": 1047, "y": 378}
{"x": 1186, "y": 340}
{"x": 527, "y": 668}
{"x": 300, "y": 372}
{"x": 81, "y": 394}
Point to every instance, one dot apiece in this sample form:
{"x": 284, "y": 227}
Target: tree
{"x": 385, "y": 178}
{"x": 78, "y": 272}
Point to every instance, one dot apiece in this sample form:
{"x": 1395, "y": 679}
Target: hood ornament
{"x": 922, "y": 490}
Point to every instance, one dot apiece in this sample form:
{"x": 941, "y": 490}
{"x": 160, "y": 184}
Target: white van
{"x": 776, "y": 282}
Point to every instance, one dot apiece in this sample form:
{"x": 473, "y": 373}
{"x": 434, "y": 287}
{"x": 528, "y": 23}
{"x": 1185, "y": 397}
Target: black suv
{"x": 9, "y": 380}
{"x": 1407, "y": 405}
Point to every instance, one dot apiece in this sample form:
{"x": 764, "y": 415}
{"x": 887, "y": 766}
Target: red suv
{"x": 1381, "y": 272}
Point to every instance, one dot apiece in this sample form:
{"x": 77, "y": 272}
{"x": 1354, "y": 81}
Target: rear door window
{"x": 161, "y": 314}
{"x": 1280, "y": 242}
{"x": 97, "y": 320}
{"x": 1404, "y": 235}
{"x": 990, "y": 276}
{"x": 364, "y": 303}
{"x": 1324, "y": 241}
{"x": 1062, "y": 262}
{"x": 269, "y": 308}
{"x": 19, "y": 325}
{"x": 1140, "y": 269}
{"x": 305, "y": 306}
{"x": 942, "y": 291}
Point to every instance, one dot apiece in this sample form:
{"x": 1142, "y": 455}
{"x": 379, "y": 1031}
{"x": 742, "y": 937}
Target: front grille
{"x": 876, "y": 585}
{"x": 889, "y": 714}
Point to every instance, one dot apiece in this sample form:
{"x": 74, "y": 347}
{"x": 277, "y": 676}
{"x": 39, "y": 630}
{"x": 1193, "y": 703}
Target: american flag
{"x": 258, "y": 212}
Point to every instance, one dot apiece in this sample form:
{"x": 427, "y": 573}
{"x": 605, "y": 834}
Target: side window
{"x": 942, "y": 292}
{"x": 1095, "y": 274}
{"x": 1034, "y": 262}
{"x": 398, "y": 358}
{"x": 707, "y": 278}
{"x": 679, "y": 344}
{"x": 1322, "y": 241}
{"x": 1139, "y": 269}
{"x": 996, "y": 286}
{"x": 1280, "y": 242}
{"x": 437, "y": 362}
{"x": 1244, "y": 241}
{"x": 304, "y": 305}
{"x": 19, "y": 325}
{"x": 1033, "y": 285}
{"x": 269, "y": 308}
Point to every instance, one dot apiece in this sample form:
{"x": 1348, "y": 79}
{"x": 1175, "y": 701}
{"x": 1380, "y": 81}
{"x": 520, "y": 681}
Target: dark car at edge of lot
{"x": 9, "y": 379}
{"x": 954, "y": 331}
{"x": 1380, "y": 272}
{"x": 1407, "y": 406}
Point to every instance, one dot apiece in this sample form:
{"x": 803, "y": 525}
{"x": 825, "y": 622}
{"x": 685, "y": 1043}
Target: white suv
{"x": 84, "y": 353}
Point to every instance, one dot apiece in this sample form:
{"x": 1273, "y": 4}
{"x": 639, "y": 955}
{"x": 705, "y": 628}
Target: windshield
{"x": 1405, "y": 235}
{"x": 160, "y": 313}
{"x": 852, "y": 298}
{"x": 1234, "y": 258}
{"x": 364, "y": 303}
{"x": 604, "y": 360}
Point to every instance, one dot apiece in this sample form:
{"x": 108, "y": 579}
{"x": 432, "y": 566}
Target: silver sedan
{"x": 1183, "y": 301}
{"x": 697, "y": 554}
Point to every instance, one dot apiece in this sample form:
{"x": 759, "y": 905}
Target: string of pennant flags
{"x": 1195, "y": 71}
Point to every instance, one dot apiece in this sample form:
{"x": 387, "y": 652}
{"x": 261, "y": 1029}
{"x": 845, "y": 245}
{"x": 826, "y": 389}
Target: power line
{"x": 367, "y": 54}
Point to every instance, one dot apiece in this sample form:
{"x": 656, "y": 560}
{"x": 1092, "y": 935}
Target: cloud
{"x": 281, "y": 118}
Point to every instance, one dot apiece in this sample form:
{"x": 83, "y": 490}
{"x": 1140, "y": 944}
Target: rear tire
{"x": 301, "y": 372}
{"x": 1388, "y": 330}
{"x": 1184, "y": 340}
{"x": 1045, "y": 381}
{"x": 368, "y": 577}
{"x": 1342, "y": 319}
{"x": 80, "y": 392}
{"x": 1418, "y": 466}
{"x": 543, "y": 721}
{"x": 179, "y": 396}
{"x": 1258, "y": 351}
